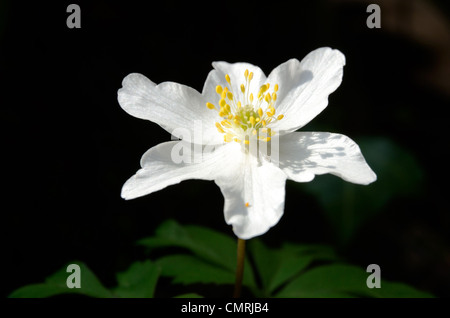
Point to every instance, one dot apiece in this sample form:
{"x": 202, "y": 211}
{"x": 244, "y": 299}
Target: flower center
{"x": 244, "y": 117}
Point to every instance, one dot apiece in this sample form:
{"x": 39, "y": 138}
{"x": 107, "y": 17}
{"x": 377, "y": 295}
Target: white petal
{"x": 162, "y": 166}
{"x": 305, "y": 154}
{"x": 236, "y": 73}
{"x": 304, "y": 86}
{"x": 171, "y": 105}
{"x": 261, "y": 186}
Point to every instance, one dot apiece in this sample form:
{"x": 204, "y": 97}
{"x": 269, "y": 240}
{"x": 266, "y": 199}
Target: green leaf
{"x": 327, "y": 281}
{"x": 138, "y": 281}
{"x": 214, "y": 248}
{"x": 277, "y": 266}
{"x": 56, "y": 285}
{"x": 340, "y": 280}
{"x": 203, "y": 242}
{"x": 38, "y": 291}
{"x": 398, "y": 290}
{"x": 348, "y": 205}
{"x": 188, "y": 269}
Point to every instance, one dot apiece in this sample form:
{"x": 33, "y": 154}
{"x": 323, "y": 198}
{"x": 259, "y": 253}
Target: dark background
{"x": 68, "y": 147}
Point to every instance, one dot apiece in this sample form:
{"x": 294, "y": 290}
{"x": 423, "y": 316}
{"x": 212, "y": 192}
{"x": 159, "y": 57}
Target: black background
{"x": 68, "y": 147}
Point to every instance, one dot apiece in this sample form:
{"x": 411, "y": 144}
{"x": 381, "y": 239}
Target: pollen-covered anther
{"x": 219, "y": 128}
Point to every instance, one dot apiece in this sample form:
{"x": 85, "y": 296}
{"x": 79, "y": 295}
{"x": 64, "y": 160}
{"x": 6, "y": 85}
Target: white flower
{"x": 241, "y": 109}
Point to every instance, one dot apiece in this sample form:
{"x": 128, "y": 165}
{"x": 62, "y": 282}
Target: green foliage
{"x": 348, "y": 206}
{"x": 215, "y": 254}
{"x": 189, "y": 269}
{"x": 207, "y": 257}
{"x": 277, "y": 266}
{"x": 56, "y": 284}
{"x": 138, "y": 281}
{"x": 293, "y": 270}
{"x": 343, "y": 280}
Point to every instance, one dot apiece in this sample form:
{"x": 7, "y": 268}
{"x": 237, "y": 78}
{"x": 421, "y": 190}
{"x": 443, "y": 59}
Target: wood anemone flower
{"x": 240, "y": 131}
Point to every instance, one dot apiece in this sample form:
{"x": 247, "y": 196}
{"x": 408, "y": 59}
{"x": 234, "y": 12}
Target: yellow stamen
{"x": 247, "y": 204}
{"x": 241, "y": 116}
{"x": 219, "y": 128}
{"x": 263, "y": 88}
{"x": 225, "y": 123}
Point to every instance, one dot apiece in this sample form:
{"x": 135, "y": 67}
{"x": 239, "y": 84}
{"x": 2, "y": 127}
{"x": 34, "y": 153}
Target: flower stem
{"x": 239, "y": 268}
